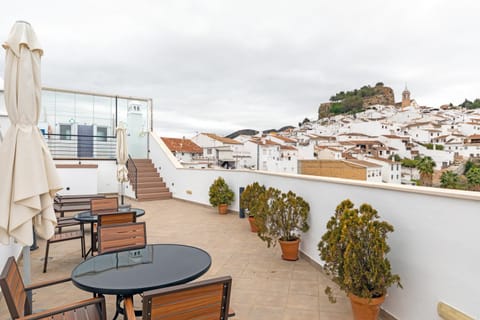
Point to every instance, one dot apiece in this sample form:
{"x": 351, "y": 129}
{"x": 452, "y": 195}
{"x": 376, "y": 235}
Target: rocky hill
{"x": 379, "y": 94}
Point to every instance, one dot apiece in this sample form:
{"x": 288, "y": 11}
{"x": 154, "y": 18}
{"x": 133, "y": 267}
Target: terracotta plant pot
{"x": 222, "y": 208}
{"x": 289, "y": 249}
{"x": 364, "y": 308}
{"x": 253, "y": 226}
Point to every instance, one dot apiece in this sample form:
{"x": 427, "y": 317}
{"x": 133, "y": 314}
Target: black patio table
{"x": 87, "y": 216}
{"x": 131, "y": 272}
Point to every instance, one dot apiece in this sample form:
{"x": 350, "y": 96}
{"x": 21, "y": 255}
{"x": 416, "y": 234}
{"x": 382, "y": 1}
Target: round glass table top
{"x": 135, "y": 271}
{"x": 86, "y": 216}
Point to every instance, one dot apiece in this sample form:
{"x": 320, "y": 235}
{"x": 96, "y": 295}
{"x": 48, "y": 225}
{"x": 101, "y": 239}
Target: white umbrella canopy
{"x": 29, "y": 179}
{"x": 122, "y": 156}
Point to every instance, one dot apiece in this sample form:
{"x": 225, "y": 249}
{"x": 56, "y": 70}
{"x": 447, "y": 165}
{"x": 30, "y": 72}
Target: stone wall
{"x": 332, "y": 168}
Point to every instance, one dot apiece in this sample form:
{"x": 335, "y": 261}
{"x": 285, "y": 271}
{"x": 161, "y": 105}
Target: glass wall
{"x": 63, "y": 112}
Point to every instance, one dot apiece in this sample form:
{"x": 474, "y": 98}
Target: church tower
{"x": 406, "y": 98}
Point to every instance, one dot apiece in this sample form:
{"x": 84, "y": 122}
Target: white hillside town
{"x": 373, "y": 140}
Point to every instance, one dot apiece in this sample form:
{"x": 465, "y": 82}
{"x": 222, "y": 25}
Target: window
{"x": 65, "y": 132}
{"x": 102, "y": 133}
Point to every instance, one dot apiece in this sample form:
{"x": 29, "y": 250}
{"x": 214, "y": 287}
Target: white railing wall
{"x": 434, "y": 247}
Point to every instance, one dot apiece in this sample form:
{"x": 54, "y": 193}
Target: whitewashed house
{"x": 222, "y": 151}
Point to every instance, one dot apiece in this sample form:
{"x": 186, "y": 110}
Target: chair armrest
{"x": 69, "y": 307}
{"x": 128, "y": 306}
{"x": 47, "y": 283}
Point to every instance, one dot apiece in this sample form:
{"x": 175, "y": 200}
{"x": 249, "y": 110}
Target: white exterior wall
{"x": 434, "y": 247}
{"x": 81, "y": 181}
{"x": 306, "y": 152}
{"x": 327, "y": 154}
{"x": 419, "y": 135}
{"x": 374, "y": 174}
{"x": 252, "y": 149}
{"x": 371, "y": 128}
{"x": 184, "y": 156}
{"x": 468, "y": 128}
{"x": 439, "y": 156}
{"x": 391, "y": 172}
{"x": 269, "y": 157}
{"x": 397, "y": 144}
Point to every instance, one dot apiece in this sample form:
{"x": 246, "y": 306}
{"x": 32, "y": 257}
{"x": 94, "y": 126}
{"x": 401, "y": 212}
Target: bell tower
{"x": 406, "y": 98}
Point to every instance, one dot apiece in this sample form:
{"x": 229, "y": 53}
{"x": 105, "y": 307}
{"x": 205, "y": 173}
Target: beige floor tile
{"x": 264, "y": 286}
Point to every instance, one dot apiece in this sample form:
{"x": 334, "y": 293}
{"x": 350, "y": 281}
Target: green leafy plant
{"x": 253, "y": 199}
{"x": 220, "y": 193}
{"x": 354, "y": 249}
{"x": 285, "y": 217}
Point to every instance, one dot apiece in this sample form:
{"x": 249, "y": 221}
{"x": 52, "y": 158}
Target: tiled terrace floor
{"x": 264, "y": 286}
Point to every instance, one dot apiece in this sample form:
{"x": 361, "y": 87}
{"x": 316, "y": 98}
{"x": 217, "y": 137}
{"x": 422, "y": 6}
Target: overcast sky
{"x": 220, "y": 66}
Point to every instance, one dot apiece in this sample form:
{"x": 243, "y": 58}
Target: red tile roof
{"x": 182, "y": 145}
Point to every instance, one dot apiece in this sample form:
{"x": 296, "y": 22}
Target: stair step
{"x": 142, "y": 161}
{"x": 147, "y": 174}
{"x": 142, "y": 191}
{"x": 155, "y": 196}
{"x": 149, "y": 179}
{"x": 150, "y": 184}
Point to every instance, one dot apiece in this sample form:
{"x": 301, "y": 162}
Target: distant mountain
{"x": 251, "y": 132}
{"x": 279, "y": 130}
{"x": 247, "y": 132}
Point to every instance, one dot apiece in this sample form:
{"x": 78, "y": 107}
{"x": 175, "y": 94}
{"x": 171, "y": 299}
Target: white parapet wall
{"x": 88, "y": 176}
{"x": 434, "y": 247}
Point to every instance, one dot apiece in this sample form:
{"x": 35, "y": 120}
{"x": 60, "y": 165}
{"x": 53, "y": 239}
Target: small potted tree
{"x": 354, "y": 249}
{"x": 220, "y": 195}
{"x": 283, "y": 221}
{"x": 253, "y": 200}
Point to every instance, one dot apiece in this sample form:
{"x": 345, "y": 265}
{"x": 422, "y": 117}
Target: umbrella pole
{"x": 123, "y": 191}
{"x": 26, "y": 271}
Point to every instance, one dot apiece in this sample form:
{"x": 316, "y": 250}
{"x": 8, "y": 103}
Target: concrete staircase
{"x": 150, "y": 185}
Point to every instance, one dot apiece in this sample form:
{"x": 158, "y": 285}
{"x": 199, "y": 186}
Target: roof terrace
{"x": 264, "y": 286}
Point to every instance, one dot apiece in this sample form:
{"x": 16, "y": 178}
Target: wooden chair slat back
{"x": 118, "y": 237}
{"x": 14, "y": 290}
{"x": 104, "y": 205}
{"x": 116, "y": 218}
{"x": 208, "y": 299}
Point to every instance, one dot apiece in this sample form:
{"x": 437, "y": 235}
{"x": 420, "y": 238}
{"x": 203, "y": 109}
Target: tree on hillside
{"x": 409, "y": 163}
{"x": 473, "y": 177}
{"x": 449, "y": 180}
{"x": 468, "y": 165}
{"x": 425, "y": 166}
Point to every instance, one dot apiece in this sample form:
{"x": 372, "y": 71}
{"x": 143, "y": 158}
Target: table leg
{"x": 92, "y": 241}
{"x": 129, "y": 310}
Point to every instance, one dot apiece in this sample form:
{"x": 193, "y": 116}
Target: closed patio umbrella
{"x": 122, "y": 157}
{"x": 29, "y": 178}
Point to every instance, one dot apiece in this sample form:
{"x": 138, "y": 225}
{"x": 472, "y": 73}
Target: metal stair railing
{"x": 133, "y": 174}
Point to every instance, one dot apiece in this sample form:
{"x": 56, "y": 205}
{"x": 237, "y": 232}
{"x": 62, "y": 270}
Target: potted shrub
{"x": 220, "y": 195}
{"x": 284, "y": 219}
{"x": 354, "y": 249}
{"x": 253, "y": 200}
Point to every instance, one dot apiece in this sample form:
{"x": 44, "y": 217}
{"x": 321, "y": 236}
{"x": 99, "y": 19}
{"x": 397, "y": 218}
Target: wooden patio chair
{"x": 104, "y": 205}
{"x": 64, "y": 235}
{"x": 98, "y": 207}
{"x": 119, "y": 237}
{"x": 208, "y": 299}
{"x": 116, "y": 218}
{"x": 19, "y": 306}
